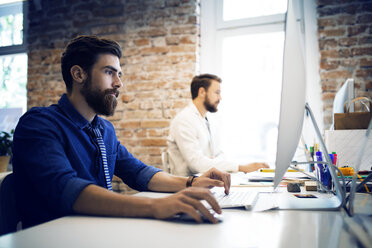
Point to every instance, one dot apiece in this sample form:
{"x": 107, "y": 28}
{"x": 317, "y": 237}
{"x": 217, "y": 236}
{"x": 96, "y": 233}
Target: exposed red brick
{"x": 130, "y": 124}
{"x": 356, "y": 30}
{"x": 325, "y": 54}
{"x": 142, "y": 42}
{"x": 347, "y": 41}
{"x": 154, "y": 142}
{"x": 184, "y": 30}
{"x": 329, "y": 86}
{"x": 154, "y": 50}
{"x": 148, "y": 150}
{"x": 366, "y": 62}
{"x": 349, "y": 62}
{"x": 365, "y": 18}
{"x": 361, "y": 51}
{"x": 154, "y": 32}
{"x": 126, "y": 133}
{"x": 365, "y": 40}
{"x": 172, "y": 40}
{"x": 336, "y": 74}
{"x": 328, "y": 96}
{"x": 154, "y": 124}
{"x": 329, "y": 65}
{"x": 155, "y": 133}
{"x": 364, "y": 73}
{"x": 141, "y": 133}
{"x": 332, "y": 32}
{"x": 369, "y": 85}
{"x": 326, "y": 22}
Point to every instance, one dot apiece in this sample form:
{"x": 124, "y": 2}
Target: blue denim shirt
{"x": 55, "y": 158}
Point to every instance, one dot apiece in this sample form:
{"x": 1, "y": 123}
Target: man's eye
{"x": 109, "y": 72}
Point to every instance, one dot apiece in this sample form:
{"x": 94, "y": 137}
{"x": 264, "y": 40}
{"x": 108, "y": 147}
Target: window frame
{"x": 13, "y": 8}
{"x": 214, "y": 29}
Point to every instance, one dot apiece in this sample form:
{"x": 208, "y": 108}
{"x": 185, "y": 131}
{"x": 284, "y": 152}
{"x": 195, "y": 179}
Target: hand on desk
{"x": 213, "y": 178}
{"x": 252, "y": 167}
{"x": 186, "y": 201}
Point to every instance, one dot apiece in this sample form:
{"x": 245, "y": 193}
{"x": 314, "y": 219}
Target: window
{"x": 13, "y": 56}
{"x": 242, "y": 42}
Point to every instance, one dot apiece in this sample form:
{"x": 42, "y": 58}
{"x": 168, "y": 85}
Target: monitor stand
{"x": 323, "y": 201}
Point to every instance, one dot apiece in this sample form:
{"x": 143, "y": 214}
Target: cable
{"x": 316, "y": 179}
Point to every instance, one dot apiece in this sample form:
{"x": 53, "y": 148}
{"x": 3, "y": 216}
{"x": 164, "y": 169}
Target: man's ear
{"x": 78, "y": 74}
{"x": 202, "y": 92}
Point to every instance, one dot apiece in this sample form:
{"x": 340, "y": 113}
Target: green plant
{"x": 6, "y": 142}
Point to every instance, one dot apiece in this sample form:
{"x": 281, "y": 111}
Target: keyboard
{"x": 236, "y": 199}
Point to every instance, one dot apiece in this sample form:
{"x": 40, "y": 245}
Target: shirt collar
{"x": 196, "y": 111}
{"x": 74, "y": 115}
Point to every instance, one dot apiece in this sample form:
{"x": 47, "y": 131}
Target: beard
{"x": 209, "y": 106}
{"x": 101, "y": 101}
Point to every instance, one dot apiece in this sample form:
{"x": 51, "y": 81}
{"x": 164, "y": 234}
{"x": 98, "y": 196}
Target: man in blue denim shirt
{"x": 58, "y": 164}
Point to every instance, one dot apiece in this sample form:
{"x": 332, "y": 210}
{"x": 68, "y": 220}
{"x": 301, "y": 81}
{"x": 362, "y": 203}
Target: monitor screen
{"x": 293, "y": 100}
{"x": 345, "y": 93}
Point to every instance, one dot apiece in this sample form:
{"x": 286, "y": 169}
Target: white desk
{"x": 240, "y": 228}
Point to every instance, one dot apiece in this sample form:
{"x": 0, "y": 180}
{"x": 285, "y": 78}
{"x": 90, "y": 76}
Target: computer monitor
{"x": 293, "y": 96}
{"x": 292, "y": 108}
{"x": 345, "y": 93}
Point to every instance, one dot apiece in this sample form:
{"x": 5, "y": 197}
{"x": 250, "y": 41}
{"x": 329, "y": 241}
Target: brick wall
{"x": 345, "y": 44}
{"x": 160, "y": 41}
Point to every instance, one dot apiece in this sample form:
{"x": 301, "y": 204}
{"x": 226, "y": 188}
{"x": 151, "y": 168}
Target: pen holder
{"x": 323, "y": 175}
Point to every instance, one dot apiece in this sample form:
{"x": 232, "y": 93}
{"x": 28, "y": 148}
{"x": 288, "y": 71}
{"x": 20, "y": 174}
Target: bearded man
{"x": 193, "y": 145}
{"x": 65, "y": 155}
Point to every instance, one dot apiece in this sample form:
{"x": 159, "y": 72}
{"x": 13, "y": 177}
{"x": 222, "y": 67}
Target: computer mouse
{"x": 293, "y": 187}
{"x": 186, "y": 217}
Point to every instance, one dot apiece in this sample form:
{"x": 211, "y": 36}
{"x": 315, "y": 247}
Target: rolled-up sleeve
{"x": 71, "y": 191}
{"x": 132, "y": 171}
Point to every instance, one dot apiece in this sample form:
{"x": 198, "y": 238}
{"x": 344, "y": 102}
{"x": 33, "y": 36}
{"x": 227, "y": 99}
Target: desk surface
{"x": 240, "y": 228}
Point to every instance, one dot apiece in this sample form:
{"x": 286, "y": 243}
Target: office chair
{"x": 165, "y": 161}
{"x": 9, "y": 217}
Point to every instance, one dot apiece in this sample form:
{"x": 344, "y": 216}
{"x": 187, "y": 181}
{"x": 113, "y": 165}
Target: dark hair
{"x": 202, "y": 81}
{"x": 84, "y": 51}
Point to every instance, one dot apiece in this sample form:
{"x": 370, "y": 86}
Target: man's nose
{"x": 117, "y": 83}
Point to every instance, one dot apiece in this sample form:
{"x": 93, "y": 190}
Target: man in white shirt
{"x": 192, "y": 141}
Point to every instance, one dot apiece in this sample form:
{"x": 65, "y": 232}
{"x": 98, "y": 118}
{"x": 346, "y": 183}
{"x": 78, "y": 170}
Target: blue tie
{"x": 102, "y": 148}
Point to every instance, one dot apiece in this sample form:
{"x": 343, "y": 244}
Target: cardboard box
{"x": 347, "y": 144}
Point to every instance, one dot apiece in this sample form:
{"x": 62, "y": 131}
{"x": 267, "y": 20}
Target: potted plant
{"x": 6, "y": 142}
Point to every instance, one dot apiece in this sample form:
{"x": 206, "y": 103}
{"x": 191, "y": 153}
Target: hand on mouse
{"x": 186, "y": 201}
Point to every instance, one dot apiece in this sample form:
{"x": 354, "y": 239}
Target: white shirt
{"x": 192, "y": 148}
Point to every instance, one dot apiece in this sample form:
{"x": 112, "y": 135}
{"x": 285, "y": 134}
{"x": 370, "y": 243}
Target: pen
{"x": 331, "y": 156}
{"x": 334, "y": 158}
{"x": 320, "y": 168}
{"x": 312, "y": 157}
{"x": 327, "y": 173}
{"x": 273, "y": 170}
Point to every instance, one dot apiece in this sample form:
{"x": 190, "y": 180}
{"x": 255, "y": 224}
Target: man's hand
{"x": 186, "y": 201}
{"x": 213, "y": 178}
{"x": 252, "y": 167}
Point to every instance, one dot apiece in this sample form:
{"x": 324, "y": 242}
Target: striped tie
{"x": 102, "y": 148}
